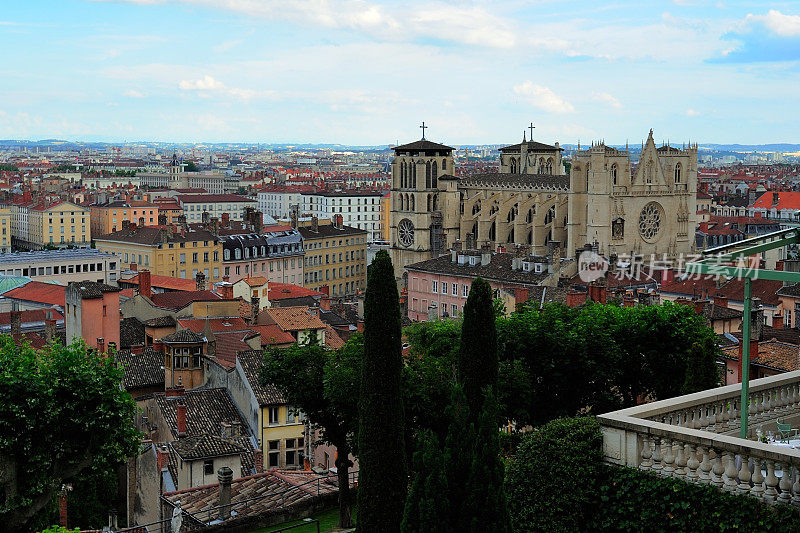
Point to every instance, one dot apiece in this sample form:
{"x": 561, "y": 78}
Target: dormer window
{"x": 473, "y": 260}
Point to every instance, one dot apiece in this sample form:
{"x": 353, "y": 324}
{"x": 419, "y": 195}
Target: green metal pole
{"x": 745, "y": 377}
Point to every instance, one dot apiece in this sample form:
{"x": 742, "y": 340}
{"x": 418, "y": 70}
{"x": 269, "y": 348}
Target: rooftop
{"x": 251, "y": 362}
{"x": 498, "y": 269}
{"x": 38, "y": 292}
{"x": 329, "y": 230}
{"x": 141, "y": 370}
{"x": 65, "y": 254}
{"x": 294, "y": 318}
{"x": 164, "y": 282}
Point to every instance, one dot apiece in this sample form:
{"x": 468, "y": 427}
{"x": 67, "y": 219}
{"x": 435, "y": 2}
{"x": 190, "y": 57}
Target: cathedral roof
{"x": 522, "y": 181}
{"x": 423, "y": 145}
{"x": 668, "y": 149}
{"x": 532, "y": 146}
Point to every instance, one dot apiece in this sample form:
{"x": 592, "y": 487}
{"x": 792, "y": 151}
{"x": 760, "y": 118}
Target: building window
{"x": 434, "y": 286}
{"x": 208, "y": 467}
{"x": 273, "y": 416}
{"x": 274, "y": 453}
{"x": 455, "y": 289}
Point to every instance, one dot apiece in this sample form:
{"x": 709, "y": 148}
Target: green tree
{"x": 61, "y": 410}
{"x": 458, "y": 449}
{"x": 485, "y": 503}
{"x": 191, "y": 166}
{"x": 427, "y": 505}
{"x": 478, "y": 353}
{"x": 324, "y": 384}
{"x": 702, "y": 371}
{"x": 383, "y": 481}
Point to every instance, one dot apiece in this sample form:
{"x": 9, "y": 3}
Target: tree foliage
{"x": 381, "y": 441}
{"x": 61, "y": 410}
{"x": 427, "y": 506}
{"x": 324, "y": 384}
{"x": 477, "y": 358}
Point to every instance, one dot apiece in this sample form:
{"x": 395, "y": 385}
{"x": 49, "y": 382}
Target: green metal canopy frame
{"x": 730, "y": 261}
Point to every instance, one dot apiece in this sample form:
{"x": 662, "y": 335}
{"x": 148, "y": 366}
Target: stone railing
{"x": 695, "y": 438}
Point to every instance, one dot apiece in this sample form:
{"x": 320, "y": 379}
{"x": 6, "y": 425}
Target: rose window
{"x": 405, "y": 231}
{"x": 650, "y": 221}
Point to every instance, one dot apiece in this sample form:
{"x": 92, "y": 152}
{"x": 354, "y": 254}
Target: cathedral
{"x": 603, "y": 201}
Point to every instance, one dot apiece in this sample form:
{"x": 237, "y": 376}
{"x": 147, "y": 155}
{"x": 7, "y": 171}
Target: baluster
{"x": 657, "y": 466}
{"x": 734, "y": 421}
{"x": 781, "y": 400}
{"x": 785, "y": 484}
{"x": 758, "y": 479}
{"x": 669, "y": 460}
{"x": 726, "y": 415}
{"x": 796, "y": 487}
{"x": 744, "y": 475}
{"x": 755, "y": 405}
{"x": 692, "y": 464}
{"x": 770, "y": 494}
{"x": 768, "y": 405}
{"x": 719, "y": 427}
{"x": 704, "y": 475}
{"x": 694, "y": 418}
{"x": 717, "y": 470}
{"x": 680, "y": 460}
{"x": 702, "y": 421}
{"x": 795, "y": 395}
{"x": 730, "y": 473}
{"x": 647, "y": 454}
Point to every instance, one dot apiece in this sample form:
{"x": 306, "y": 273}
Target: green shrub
{"x": 633, "y": 500}
{"x": 550, "y": 480}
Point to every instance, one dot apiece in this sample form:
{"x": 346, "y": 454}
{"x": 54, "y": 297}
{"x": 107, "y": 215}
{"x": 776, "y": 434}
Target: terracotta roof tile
{"x": 36, "y": 291}
{"x": 272, "y": 335}
{"x": 251, "y": 362}
{"x": 180, "y": 299}
{"x": 141, "y": 370}
{"x": 294, "y": 318}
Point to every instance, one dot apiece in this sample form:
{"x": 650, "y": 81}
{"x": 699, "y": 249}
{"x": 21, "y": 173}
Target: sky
{"x": 367, "y": 73}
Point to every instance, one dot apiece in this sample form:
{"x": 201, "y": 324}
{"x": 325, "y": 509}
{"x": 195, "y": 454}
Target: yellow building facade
{"x": 336, "y": 257}
{"x": 386, "y": 217}
{"x": 5, "y": 229}
{"x": 63, "y": 224}
{"x": 177, "y": 254}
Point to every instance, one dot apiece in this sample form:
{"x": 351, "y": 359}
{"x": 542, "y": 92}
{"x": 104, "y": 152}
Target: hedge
{"x": 557, "y": 481}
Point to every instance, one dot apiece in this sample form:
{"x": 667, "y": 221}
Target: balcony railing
{"x": 695, "y": 438}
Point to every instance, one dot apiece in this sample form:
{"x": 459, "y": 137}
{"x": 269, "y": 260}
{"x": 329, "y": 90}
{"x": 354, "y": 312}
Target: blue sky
{"x": 364, "y": 72}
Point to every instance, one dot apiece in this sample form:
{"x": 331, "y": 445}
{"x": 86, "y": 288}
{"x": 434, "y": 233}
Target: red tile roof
{"x": 180, "y": 299}
{"x": 36, "y": 291}
{"x": 733, "y": 289}
{"x": 33, "y": 315}
{"x": 282, "y": 291}
{"x": 229, "y": 344}
{"x": 272, "y": 335}
{"x": 786, "y": 200}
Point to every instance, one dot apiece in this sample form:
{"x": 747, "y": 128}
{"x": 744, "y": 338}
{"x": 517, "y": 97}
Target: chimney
{"x": 49, "y": 326}
{"x": 175, "y": 392}
{"x": 226, "y": 220}
{"x": 144, "y": 283}
{"x": 141, "y": 222}
{"x": 757, "y": 319}
{"x": 721, "y": 301}
{"x": 101, "y": 345}
{"x": 575, "y": 298}
{"x": 315, "y": 224}
{"x": 162, "y": 456}
{"x": 225, "y": 477}
{"x": 337, "y": 221}
{"x": 293, "y": 218}
{"x": 162, "y": 219}
{"x": 753, "y": 355}
{"x": 226, "y": 290}
{"x": 181, "y": 416}
{"x": 325, "y": 303}
{"x": 699, "y": 306}
{"x": 200, "y": 281}
{"x": 779, "y": 265}
{"x": 62, "y": 506}
{"x": 598, "y": 293}
{"x": 258, "y": 459}
{"x": 521, "y": 295}
{"x": 137, "y": 349}
{"x": 126, "y": 224}
{"x": 777, "y": 321}
{"x": 775, "y": 198}
{"x": 325, "y": 289}
{"x": 16, "y": 321}
{"x": 486, "y": 255}
{"x": 134, "y": 267}
{"x": 255, "y": 307}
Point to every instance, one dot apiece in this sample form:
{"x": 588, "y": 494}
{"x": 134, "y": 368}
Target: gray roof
{"x": 91, "y": 289}
{"x": 533, "y": 146}
{"x": 423, "y": 145}
{"x": 203, "y": 446}
{"x": 141, "y": 370}
{"x": 499, "y": 269}
{"x": 251, "y": 362}
{"x": 329, "y": 230}
{"x": 64, "y": 254}
{"x": 206, "y": 410}
{"x": 183, "y": 336}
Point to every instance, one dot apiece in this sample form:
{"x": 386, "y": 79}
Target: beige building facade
{"x": 604, "y": 201}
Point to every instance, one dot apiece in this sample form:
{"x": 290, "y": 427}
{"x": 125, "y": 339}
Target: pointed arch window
{"x": 444, "y": 165}
{"x": 427, "y": 174}
{"x": 678, "y": 170}
{"x": 513, "y": 166}
{"x": 614, "y": 173}
{"x": 434, "y": 174}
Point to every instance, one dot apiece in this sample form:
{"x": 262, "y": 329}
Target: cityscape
{"x": 355, "y": 266}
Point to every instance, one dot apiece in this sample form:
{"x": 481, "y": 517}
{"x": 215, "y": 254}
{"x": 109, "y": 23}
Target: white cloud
{"x": 606, "y": 98}
{"x": 226, "y": 46}
{"x": 691, "y": 113}
{"x": 206, "y": 83}
{"x": 542, "y": 97}
{"x": 776, "y": 22}
{"x": 133, "y": 93}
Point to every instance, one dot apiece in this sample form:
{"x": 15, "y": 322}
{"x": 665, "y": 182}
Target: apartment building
{"x": 174, "y": 251}
{"x": 277, "y": 201}
{"x": 5, "y": 229}
{"x": 359, "y": 209}
{"x": 335, "y": 260}
{"x": 194, "y": 205}
{"x": 59, "y": 224}
{"x": 63, "y": 265}
{"x": 108, "y": 217}
{"x": 276, "y": 253}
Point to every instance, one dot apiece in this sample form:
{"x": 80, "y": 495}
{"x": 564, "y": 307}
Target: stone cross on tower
{"x": 531, "y": 127}
{"x": 424, "y": 127}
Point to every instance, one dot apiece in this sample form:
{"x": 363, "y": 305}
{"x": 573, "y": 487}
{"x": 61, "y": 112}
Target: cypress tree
{"x": 383, "y": 479}
{"x": 458, "y": 449}
{"x": 702, "y": 371}
{"x": 427, "y": 506}
{"x": 477, "y": 359}
{"x": 486, "y": 498}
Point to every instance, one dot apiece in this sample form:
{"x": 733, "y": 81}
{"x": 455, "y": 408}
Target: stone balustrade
{"x": 695, "y": 438}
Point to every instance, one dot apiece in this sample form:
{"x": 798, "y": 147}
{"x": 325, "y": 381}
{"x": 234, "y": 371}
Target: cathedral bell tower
{"x": 416, "y": 214}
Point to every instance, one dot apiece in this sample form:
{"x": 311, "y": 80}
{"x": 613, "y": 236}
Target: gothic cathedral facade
{"x": 603, "y": 201}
